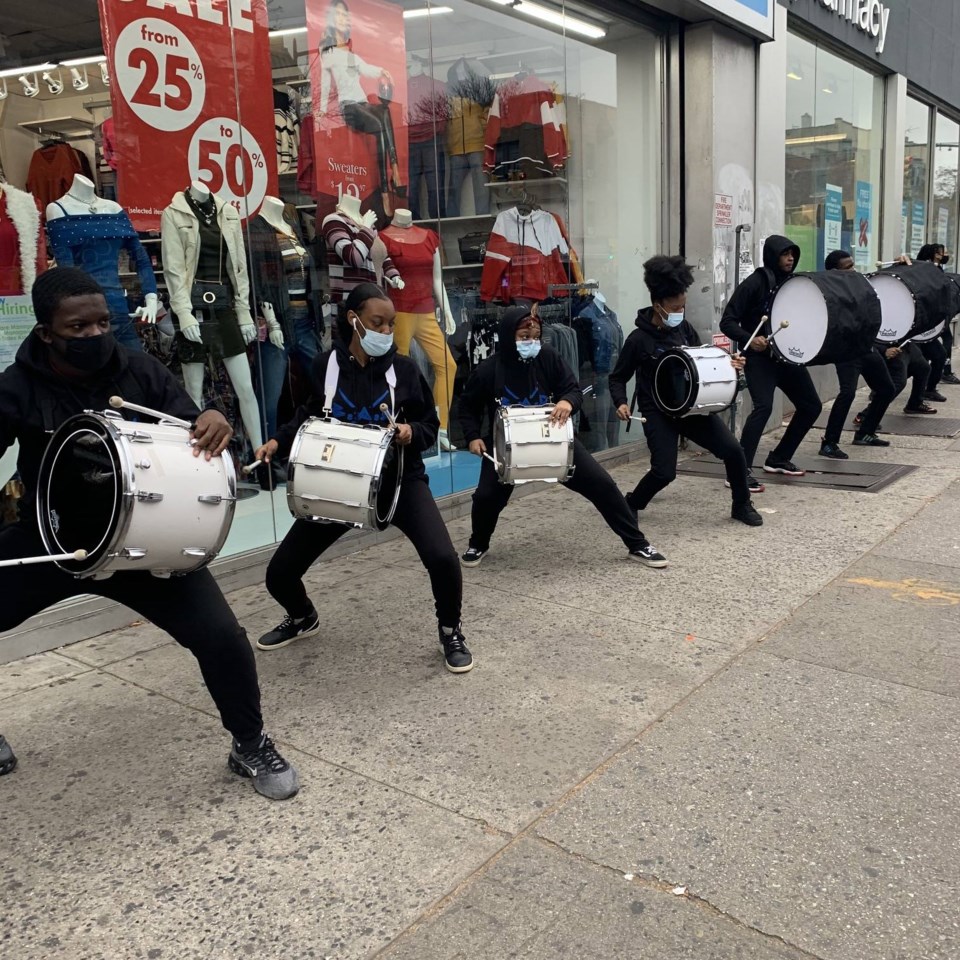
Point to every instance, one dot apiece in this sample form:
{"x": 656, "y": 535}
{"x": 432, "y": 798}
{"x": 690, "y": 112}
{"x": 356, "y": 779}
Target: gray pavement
{"x": 751, "y": 754}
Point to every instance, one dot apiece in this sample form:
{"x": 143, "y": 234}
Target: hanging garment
{"x": 23, "y": 248}
{"x": 52, "y": 169}
{"x": 428, "y": 108}
{"x": 412, "y": 251}
{"x": 109, "y": 143}
{"x": 349, "y": 261}
{"x": 306, "y": 172}
{"x": 286, "y": 123}
{"x": 524, "y": 256}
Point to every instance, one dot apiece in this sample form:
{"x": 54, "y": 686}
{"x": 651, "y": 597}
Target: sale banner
{"x": 359, "y": 83}
{"x": 192, "y": 99}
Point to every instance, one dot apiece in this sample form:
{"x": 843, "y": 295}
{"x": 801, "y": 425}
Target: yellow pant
{"x": 423, "y": 328}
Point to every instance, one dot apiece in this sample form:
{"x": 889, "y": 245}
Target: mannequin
{"x": 89, "y": 232}
{"x": 426, "y": 136}
{"x": 417, "y": 253}
{"x": 202, "y": 243}
{"x": 349, "y": 236}
{"x": 470, "y": 93}
{"x": 23, "y": 254}
{"x": 287, "y": 286}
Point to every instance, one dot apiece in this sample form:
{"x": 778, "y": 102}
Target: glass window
{"x": 916, "y": 175}
{"x": 833, "y": 155}
{"x": 946, "y": 162}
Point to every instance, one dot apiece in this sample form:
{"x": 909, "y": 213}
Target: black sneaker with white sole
{"x": 786, "y": 467}
{"x": 7, "y": 759}
{"x": 472, "y": 556}
{"x": 455, "y": 653}
{"x": 272, "y": 776}
{"x": 746, "y": 513}
{"x": 290, "y": 629}
{"x": 648, "y": 556}
{"x": 753, "y": 484}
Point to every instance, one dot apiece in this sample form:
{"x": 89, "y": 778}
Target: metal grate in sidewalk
{"x": 918, "y": 425}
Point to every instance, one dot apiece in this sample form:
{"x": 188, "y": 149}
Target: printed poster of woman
{"x": 359, "y": 84}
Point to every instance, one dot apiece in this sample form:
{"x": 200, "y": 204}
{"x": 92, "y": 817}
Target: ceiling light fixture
{"x": 818, "y": 138}
{"x": 554, "y": 17}
{"x": 83, "y": 61}
{"x": 79, "y": 79}
{"x": 104, "y": 73}
{"x": 4, "y": 93}
{"x": 288, "y": 32}
{"x": 30, "y": 87}
{"x": 425, "y": 12}
{"x": 54, "y": 83}
{"x": 795, "y": 72}
{"x": 17, "y": 71}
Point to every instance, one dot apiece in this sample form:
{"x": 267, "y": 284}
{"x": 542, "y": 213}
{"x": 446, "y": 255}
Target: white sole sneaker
{"x": 312, "y": 632}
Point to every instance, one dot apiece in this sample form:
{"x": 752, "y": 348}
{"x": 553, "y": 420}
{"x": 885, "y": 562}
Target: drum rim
{"x": 379, "y": 524}
{"x": 775, "y": 352}
{"x": 899, "y": 278}
{"x": 684, "y": 356}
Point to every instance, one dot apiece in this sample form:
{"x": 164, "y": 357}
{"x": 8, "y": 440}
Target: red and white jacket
{"x": 526, "y": 101}
{"x": 524, "y": 256}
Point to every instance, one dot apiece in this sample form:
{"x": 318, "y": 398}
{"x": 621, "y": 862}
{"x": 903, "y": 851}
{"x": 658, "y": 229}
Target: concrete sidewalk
{"x": 751, "y": 754}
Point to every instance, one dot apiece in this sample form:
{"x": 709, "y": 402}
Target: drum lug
{"x": 143, "y": 464}
{"x": 214, "y": 498}
{"x": 138, "y": 436}
{"x": 132, "y": 553}
{"x": 145, "y": 497}
{"x": 194, "y": 552}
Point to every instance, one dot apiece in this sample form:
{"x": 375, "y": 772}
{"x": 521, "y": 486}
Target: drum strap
{"x": 331, "y": 384}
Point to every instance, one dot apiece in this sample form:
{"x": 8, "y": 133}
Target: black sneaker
{"x": 290, "y": 629}
{"x": 272, "y": 776}
{"x": 935, "y": 395}
{"x": 869, "y": 440}
{"x": 858, "y": 419}
{"x": 950, "y": 378}
{"x": 746, "y": 513}
{"x": 648, "y": 556}
{"x": 832, "y": 451}
{"x": 455, "y": 653}
{"x": 786, "y": 467}
{"x": 919, "y": 408}
{"x": 753, "y": 484}
{"x": 472, "y": 556}
{"x": 7, "y": 759}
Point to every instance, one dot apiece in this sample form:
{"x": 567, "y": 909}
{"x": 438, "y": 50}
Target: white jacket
{"x": 180, "y": 245}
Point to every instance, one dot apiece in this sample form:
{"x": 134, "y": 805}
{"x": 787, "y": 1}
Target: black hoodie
{"x": 751, "y": 298}
{"x": 639, "y": 356}
{"x": 360, "y": 391}
{"x": 35, "y": 401}
{"x": 545, "y": 379}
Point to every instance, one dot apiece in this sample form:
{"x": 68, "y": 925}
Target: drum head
{"x": 800, "y": 302}
{"x": 81, "y": 491}
{"x": 897, "y": 306}
{"x": 389, "y": 490}
{"x": 674, "y": 383}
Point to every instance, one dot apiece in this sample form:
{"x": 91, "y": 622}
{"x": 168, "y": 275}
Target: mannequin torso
{"x": 81, "y": 200}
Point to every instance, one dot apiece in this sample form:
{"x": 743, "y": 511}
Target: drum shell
{"x": 171, "y": 511}
{"x": 529, "y": 448}
{"x": 710, "y": 383}
{"x": 933, "y": 295}
{"x": 336, "y": 474}
{"x": 834, "y": 315}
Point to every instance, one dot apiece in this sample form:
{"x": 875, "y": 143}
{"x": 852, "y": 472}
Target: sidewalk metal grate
{"x": 864, "y": 476}
{"x": 918, "y": 425}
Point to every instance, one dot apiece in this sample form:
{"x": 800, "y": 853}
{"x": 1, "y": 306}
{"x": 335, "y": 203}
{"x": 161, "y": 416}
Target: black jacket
{"x": 752, "y": 298}
{"x": 639, "y": 356}
{"x": 35, "y": 401}
{"x": 360, "y": 391}
{"x": 545, "y": 379}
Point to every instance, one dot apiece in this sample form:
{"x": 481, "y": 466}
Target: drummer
{"x": 69, "y": 363}
{"x": 368, "y": 361}
{"x": 936, "y": 352}
{"x": 525, "y": 373}
{"x": 662, "y": 327}
{"x": 750, "y": 302}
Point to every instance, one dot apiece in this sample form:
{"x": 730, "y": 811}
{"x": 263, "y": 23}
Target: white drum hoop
{"x": 897, "y": 305}
{"x": 507, "y": 446}
{"x": 930, "y": 334}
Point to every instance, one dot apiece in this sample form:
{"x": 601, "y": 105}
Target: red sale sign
{"x": 192, "y": 100}
{"x": 359, "y": 84}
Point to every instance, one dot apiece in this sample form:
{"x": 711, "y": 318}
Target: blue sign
{"x": 755, "y": 15}
{"x": 863, "y": 226}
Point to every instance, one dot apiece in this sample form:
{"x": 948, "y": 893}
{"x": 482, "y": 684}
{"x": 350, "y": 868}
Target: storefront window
{"x": 833, "y": 155}
{"x": 916, "y": 175}
{"x": 946, "y": 162}
{"x": 464, "y": 156}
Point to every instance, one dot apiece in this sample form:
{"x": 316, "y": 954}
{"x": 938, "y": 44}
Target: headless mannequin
{"x": 80, "y": 200}
{"x": 272, "y": 212}
{"x": 404, "y": 220}
{"x": 238, "y": 369}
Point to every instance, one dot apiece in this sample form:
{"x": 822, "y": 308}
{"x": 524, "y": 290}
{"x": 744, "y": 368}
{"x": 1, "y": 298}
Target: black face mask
{"x": 945, "y": 259}
{"x": 87, "y": 354}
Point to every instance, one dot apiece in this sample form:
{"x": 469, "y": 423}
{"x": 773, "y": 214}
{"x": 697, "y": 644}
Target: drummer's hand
{"x": 403, "y": 435}
{"x": 623, "y": 412}
{"x": 477, "y": 447}
{"x": 212, "y": 433}
{"x": 903, "y": 258}
{"x": 738, "y": 362}
{"x": 891, "y": 353}
{"x": 759, "y": 344}
{"x": 267, "y": 452}
{"x": 561, "y": 412}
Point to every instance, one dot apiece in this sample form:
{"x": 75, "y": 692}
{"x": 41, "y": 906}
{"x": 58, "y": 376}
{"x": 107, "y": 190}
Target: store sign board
{"x": 918, "y": 226}
{"x": 181, "y": 109}
{"x": 863, "y": 226}
{"x": 869, "y": 16}
{"x": 757, "y": 15}
{"x": 832, "y": 218}
{"x": 17, "y": 319}
{"x": 360, "y": 145}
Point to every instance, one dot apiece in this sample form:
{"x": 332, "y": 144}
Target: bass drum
{"x": 931, "y": 334}
{"x": 833, "y": 316}
{"x": 913, "y": 299}
{"x": 692, "y": 381}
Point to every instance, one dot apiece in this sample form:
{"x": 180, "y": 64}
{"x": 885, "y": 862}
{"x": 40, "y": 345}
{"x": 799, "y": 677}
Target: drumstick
{"x": 753, "y": 335}
{"x": 493, "y": 460}
{"x": 782, "y": 325}
{"x": 641, "y": 419}
{"x": 76, "y": 555}
{"x": 119, "y": 403}
{"x": 384, "y": 409}
{"x": 250, "y": 467}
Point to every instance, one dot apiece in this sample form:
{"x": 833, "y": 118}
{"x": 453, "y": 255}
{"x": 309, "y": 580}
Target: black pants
{"x": 374, "y": 120}
{"x": 417, "y": 517}
{"x": 937, "y": 358}
{"x": 709, "y": 432}
{"x": 874, "y": 369}
{"x": 589, "y": 479}
{"x": 764, "y": 375}
{"x": 947, "y": 338}
{"x": 191, "y": 609}
{"x": 910, "y": 363}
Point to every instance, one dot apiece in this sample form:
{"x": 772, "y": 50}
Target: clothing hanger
{"x": 526, "y": 204}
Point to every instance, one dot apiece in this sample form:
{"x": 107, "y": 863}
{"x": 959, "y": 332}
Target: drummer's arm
{"x": 738, "y": 310}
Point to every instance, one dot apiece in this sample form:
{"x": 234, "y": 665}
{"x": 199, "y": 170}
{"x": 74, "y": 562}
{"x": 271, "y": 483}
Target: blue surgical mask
{"x": 671, "y": 319}
{"x": 528, "y": 349}
{"x": 374, "y": 344}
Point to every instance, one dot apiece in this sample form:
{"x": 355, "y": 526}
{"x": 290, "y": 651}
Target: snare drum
{"x": 344, "y": 473}
{"x": 529, "y": 447}
{"x": 833, "y": 316}
{"x": 692, "y": 381}
{"x": 133, "y": 496}
{"x": 913, "y": 299}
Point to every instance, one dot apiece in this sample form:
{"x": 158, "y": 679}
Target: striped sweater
{"x": 349, "y": 260}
